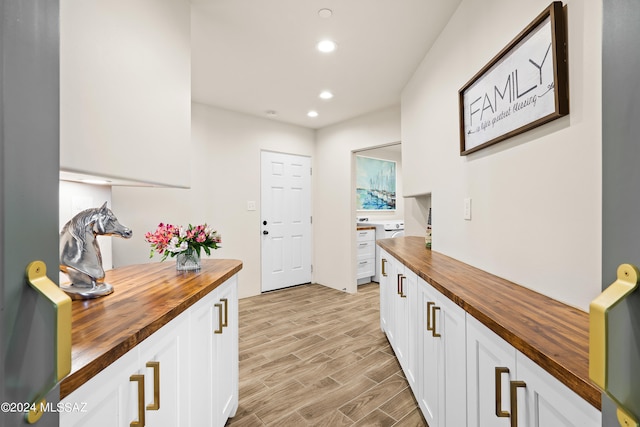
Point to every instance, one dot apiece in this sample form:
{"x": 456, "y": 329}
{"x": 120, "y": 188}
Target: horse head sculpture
{"x": 80, "y": 256}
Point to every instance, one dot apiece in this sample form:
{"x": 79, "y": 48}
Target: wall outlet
{"x": 251, "y": 205}
{"x": 467, "y": 209}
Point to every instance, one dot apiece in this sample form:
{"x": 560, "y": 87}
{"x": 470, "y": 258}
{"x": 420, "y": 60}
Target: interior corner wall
{"x": 536, "y": 197}
{"x": 224, "y": 164}
{"x": 334, "y": 199}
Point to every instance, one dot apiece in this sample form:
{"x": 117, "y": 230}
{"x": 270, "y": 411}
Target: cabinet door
{"x": 383, "y": 264}
{"x": 450, "y": 323}
{"x": 431, "y": 379}
{"x": 225, "y": 345}
{"x": 442, "y": 384}
{"x": 401, "y": 316}
{"x": 408, "y": 301}
{"x": 109, "y": 399}
{"x": 491, "y": 365}
{"x": 162, "y": 360}
{"x": 545, "y": 401}
{"x": 201, "y": 361}
{"x": 391, "y": 293}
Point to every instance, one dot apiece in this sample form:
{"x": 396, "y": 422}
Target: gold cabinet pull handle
{"x": 433, "y": 322}
{"x": 226, "y": 312}
{"x": 156, "y": 386}
{"x": 402, "y": 294}
{"x": 384, "y": 264}
{"x": 499, "y": 412}
{"x": 140, "y": 380}
{"x": 220, "y": 320}
{"x": 626, "y": 282}
{"x": 37, "y": 277}
{"x": 429, "y": 326}
{"x": 514, "y": 401}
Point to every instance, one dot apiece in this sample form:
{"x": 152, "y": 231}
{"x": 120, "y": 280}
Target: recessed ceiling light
{"x": 326, "y": 46}
{"x": 312, "y": 113}
{"x": 325, "y": 13}
{"x": 325, "y": 94}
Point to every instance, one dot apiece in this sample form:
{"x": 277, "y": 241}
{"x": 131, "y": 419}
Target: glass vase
{"x": 188, "y": 260}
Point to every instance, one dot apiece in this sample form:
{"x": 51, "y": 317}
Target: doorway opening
{"x": 383, "y": 212}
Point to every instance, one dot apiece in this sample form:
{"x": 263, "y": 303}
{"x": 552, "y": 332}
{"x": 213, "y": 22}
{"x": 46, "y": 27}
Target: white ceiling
{"x": 252, "y": 56}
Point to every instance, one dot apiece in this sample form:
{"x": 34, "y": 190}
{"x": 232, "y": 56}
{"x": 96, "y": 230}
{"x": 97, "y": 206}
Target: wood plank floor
{"x": 314, "y": 356}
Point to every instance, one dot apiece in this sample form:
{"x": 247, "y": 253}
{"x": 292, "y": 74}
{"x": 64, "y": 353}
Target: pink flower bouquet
{"x": 170, "y": 240}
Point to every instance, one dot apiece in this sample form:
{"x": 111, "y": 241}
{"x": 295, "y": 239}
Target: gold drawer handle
{"x": 402, "y": 294}
{"x": 220, "y": 320}
{"x": 429, "y": 326}
{"x": 433, "y": 323}
{"x": 140, "y": 380}
{"x": 226, "y": 312}
{"x": 499, "y": 412}
{"x": 156, "y": 386}
{"x": 384, "y": 270}
{"x": 514, "y": 401}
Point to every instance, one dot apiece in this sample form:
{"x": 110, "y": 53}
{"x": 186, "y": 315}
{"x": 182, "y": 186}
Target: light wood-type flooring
{"x": 314, "y": 356}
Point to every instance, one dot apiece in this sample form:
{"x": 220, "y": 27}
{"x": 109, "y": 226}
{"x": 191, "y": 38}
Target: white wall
{"x": 536, "y": 198}
{"x": 334, "y": 196}
{"x": 125, "y": 88}
{"x": 224, "y": 164}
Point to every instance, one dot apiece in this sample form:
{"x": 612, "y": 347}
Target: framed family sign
{"x": 524, "y": 86}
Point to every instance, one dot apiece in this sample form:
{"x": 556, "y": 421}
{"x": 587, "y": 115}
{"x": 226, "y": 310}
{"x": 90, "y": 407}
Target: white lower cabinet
{"x": 185, "y": 374}
{"x": 366, "y": 254}
{"x": 214, "y": 357}
{"x": 406, "y": 326}
{"x": 506, "y": 388}
{"x": 388, "y": 293}
{"x": 462, "y": 373}
{"x": 108, "y": 399}
{"x": 491, "y": 365}
{"x": 398, "y": 296}
{"x": 441, "y": 391}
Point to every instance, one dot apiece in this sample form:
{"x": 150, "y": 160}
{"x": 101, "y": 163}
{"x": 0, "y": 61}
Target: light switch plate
{"x": 251, "y": 205}
{"x": 467, "y": 208}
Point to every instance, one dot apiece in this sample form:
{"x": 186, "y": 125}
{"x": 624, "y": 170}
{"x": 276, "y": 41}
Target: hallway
{"x": 314, "y": 356}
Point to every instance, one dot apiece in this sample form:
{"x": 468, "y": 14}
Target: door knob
{"x": 265, "y": 232}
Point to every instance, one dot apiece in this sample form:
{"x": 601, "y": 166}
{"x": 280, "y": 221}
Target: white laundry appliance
{"x": 385, "y": 229}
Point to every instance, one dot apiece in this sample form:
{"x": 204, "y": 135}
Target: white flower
{"x": 175, "y": 245}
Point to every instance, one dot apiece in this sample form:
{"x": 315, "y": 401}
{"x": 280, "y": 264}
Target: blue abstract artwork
{"x": 375, "y": 184}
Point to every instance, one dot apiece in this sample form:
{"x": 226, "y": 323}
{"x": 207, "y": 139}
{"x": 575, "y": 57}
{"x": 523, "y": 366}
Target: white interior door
{"x": 286, "y": 220}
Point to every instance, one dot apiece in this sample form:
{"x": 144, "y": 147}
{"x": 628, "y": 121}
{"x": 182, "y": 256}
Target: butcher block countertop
{"x": 552, "y": 334}
{"x": 145, "y": 298}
